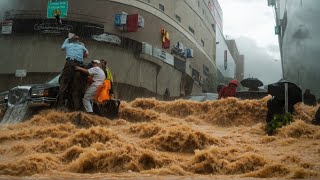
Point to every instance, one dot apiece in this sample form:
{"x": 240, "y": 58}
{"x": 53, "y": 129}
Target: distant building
{"x": 298, "y": 27}
{"x": 225, "y": 60}
{"x": 238, "y": 58}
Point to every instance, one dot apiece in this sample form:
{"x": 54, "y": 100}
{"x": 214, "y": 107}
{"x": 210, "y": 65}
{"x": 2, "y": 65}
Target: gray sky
{"x": 251, "y": 23}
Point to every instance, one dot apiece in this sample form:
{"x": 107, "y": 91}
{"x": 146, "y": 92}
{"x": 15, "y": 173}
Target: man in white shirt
{"x": 98, "y": 77}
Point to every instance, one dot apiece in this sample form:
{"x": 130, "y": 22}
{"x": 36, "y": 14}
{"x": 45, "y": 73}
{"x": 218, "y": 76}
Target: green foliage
{"x": 278, "y": 121}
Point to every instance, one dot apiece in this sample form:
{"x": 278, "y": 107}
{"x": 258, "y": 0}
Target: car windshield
{"x": 211, "y": 97}
{"x": 55, "y": 80}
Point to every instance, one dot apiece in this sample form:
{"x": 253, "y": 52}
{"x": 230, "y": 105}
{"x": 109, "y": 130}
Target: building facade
{"x": 141, "y": 66}
{"x": 238, "y": 58}
{"x": 298, "y": 29}
{"x": 225, "y": 60}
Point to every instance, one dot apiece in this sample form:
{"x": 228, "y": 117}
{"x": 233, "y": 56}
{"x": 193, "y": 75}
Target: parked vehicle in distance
{"x": 251, "y": 94}
{"x": 203, "y": 97}
{"x": 240, "y": 94}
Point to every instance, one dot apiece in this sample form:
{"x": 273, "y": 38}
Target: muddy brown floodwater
{"x": 162, "y": 140}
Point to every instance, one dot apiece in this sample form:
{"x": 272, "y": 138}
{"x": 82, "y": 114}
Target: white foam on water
{"x": 15, "y": 114}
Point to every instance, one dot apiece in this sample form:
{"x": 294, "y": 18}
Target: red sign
{"x": 132, "y": 23}
{"x": 165, "y": 39}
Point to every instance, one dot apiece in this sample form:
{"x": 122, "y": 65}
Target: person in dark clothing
{"x": 75, "y": 53}
{"x": 219, "y": 87}
{"x": 77, "y": 91}
{"x": 309, "y": 99}
{"x": 276, "y": 107}
{"x": 316, "y": 120}
{"x": 166, "y": 95}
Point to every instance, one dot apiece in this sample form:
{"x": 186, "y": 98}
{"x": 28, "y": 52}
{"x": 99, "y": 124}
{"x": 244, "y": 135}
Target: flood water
{"x": 162, "y": 140}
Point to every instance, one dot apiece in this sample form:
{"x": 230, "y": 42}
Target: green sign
{"x": 277, "y": 30}
{"x": 271, "y": 2}
{"x": 57, "y": 7}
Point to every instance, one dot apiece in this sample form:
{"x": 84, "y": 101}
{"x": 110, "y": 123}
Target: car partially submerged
{"x": 39, "y": 96}
{"x": 240, "y": 95}
{"x": 251, "y": 94}
{"x": 34, "y": 95}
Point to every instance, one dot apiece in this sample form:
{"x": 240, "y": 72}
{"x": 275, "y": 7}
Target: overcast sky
{"x": 251, "y": 23}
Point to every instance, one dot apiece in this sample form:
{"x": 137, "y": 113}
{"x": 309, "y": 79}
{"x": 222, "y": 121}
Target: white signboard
{"x": 21, "y": 73}
{"x": 158, "y": 53}
{"x": 120, "y": 19}
{"x": 140, "y": 21}
{"x": 6, "y": 27}
{"x": 107, "y": 38}
{"x": 169, "y": 59}
{"x": 166, "y": 57}
{"x": 146, "y": 48}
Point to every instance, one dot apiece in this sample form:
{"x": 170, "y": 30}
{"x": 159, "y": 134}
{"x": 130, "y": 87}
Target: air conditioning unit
{"x": 146, "y": 48}
{"x": 169, "y": 59}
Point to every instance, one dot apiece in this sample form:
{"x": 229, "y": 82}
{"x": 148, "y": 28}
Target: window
{"x": 205, "y": 70}
{"x": 161, "y": 7}
{"x": 191, "y": 30}
{"x": 213, "y": 27}
{"x": 195, "y": 75}
{"x": 148, "y": 1}
{"x": 202, "y": 42}
{"x": 203, "y": 11}
{"x": 198, "y": 3}
{"x": 178, "y": 18}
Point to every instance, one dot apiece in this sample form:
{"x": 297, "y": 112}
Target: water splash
{"x": 15, "y": 114}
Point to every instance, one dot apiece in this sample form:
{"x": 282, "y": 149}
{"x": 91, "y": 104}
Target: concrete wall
{"x": 35, "y": 53}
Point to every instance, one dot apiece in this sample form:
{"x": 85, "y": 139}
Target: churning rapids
{"x": 151, "y": 138}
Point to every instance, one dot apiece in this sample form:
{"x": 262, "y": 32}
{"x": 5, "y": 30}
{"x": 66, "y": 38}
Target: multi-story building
{"x": 228, "y": 60}
{"x": 298, "y": 27}
{"x": 225, "y": 60}
{"x": 30, "y": 43}
{"x": 238, "y": 58}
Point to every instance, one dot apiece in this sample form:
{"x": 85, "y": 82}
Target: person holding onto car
{"x": 309, "y": 99}
{"x": 108, "y": 74}
{"x": 98, "y": 78}
{"x": 230, "y": 90}
{"x": 75, "y": 54}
